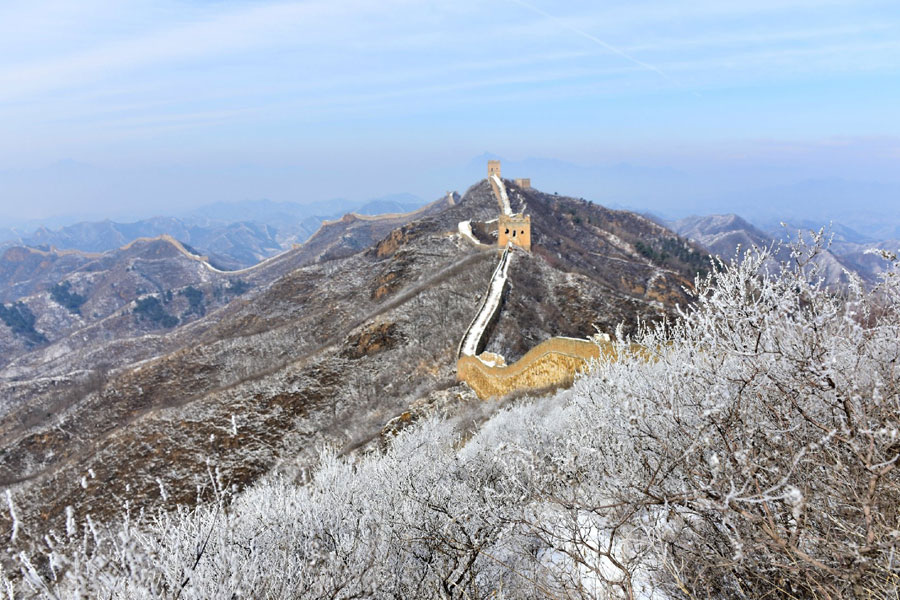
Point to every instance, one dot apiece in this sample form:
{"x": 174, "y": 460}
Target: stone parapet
{"x": 497, "y": 193}
{"x": 552, "y": 363}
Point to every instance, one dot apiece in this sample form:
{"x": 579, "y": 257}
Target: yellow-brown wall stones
{"x": 551, "y": 363}
{"x": 515, "y": 229}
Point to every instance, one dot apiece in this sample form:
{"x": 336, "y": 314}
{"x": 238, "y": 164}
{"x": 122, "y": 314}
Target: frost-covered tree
{"x": 754, "y": 452}
{"x": 747, "y": 449}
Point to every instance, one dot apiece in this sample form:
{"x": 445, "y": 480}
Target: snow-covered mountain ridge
{"x": 331, "y": 341}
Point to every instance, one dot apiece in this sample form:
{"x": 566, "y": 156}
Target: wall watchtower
{"x": 493, "y": 168}
{"x": 516, "y": 229}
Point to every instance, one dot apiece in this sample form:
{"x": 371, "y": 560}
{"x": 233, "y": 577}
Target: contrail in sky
{"x": 597, "y": 41}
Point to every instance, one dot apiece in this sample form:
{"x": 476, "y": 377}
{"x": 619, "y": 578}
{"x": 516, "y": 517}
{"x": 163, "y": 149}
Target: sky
{"x": 127, "y": 108}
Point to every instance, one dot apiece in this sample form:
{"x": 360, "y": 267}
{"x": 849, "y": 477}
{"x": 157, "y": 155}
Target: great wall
{"x": 552, "y": 363}
{"x": 474, "y": 339}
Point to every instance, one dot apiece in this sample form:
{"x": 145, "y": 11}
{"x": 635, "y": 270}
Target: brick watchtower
{"x": 515, "y": 229}
{"x": 493, "y": 168}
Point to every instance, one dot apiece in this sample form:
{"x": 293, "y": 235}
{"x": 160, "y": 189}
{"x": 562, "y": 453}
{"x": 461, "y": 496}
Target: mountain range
{"x": 233, "y": 235}
{"x": 147, "y": 363}
{"x": 846, "y": 250}
{"x": 764, "y": 198}
{"x": 130, "y": 363}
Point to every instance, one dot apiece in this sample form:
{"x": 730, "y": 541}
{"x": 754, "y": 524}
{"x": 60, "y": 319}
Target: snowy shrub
{"x": 748, "y": 450}
{"x": 756, "y": 452}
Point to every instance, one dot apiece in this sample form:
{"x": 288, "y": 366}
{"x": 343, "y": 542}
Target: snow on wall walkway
{"x": 251, "y": 268}
{"x": 465, "y": 229}
{"x": 204, "y": 260}
{"x": 504, "y": 197}
{"x": 489, "y": 308}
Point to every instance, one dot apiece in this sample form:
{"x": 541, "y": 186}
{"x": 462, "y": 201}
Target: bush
{"x": 757, "y": 451}
{"x": 21, "y": 320}
{"x": 195, "y": 300}
{"x": 63, "y": 295}
{"x": 151, "y": 309}
{"x": 237, "y": 287}
{"x": 667, "y": 250}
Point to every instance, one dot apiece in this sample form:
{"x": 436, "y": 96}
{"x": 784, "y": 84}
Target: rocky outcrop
{"x": 371, "y": 340}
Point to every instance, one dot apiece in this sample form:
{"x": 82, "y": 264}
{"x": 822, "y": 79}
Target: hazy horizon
{"x": 126, "y": 110}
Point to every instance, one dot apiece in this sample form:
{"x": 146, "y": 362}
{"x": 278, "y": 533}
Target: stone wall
{"x": 496, "y": 191}
{"x": 498, "y": 275}
{"x": 523, "y": 183}
{"x": 486, "y": 233}
{"x": 515, "y": 229}
{"x": 551, "y": 363}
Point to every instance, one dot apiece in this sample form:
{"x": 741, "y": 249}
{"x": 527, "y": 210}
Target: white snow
{"x": 12, "y": 515}
{"x": 465, "y": 230}
{"x": 490, "y": 362}
{"x": 469, "y": 346}
{"x": 504, "y": 198}
{"x": 594, "y": 570}
{"x": 616, "y": 241}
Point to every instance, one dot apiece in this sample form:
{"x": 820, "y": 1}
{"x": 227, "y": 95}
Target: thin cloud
{"x": 218, "y": 35}
{"x": 228, "y": 76}
{"x": 756, "y": 37}
{"x": 598, "y": 41}
{"x": 775, "y": 63}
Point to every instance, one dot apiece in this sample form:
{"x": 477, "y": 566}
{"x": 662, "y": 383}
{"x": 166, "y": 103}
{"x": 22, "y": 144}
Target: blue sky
{"x": 136, "y": 107}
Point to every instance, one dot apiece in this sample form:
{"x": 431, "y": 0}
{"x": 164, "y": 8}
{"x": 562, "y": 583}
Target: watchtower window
{"x": 514, "y": 233}
{"x": 507, "y": 231}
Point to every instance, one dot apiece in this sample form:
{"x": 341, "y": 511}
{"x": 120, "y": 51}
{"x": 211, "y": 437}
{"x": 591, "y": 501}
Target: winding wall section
{"x": 473, "y": 340}
{"x": 552, "y": 363}
{"x": 501, "y": 195}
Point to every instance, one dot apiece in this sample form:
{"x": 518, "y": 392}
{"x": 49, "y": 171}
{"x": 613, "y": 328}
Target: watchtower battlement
{"x": 493, "y": 168}
{"x": 511, "y": 227}
{"x": 516, "y": 229}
